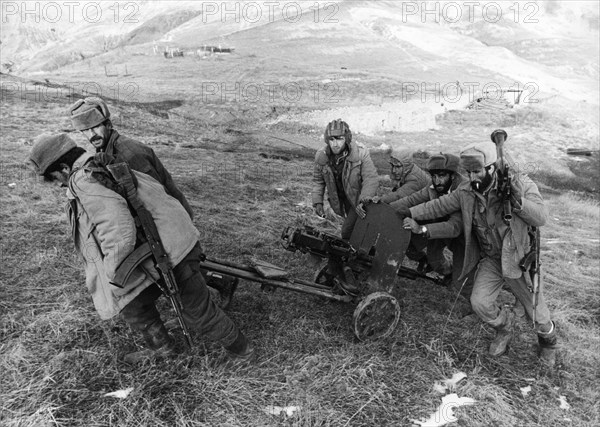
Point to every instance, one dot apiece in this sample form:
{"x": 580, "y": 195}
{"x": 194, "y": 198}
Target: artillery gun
{"x": 374, "y": 254}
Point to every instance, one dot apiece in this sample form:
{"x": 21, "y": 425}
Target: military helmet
{"x": 47, "y": 149}
{"x": 338, "y": 128}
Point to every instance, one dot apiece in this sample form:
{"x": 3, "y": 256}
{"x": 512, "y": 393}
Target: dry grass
{"x": 58, "y": 359}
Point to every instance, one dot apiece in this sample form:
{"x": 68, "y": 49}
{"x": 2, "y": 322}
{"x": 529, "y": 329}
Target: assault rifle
{"x": 498, "y": 137}
{"x": 123, "y": 175}
{"x": 531, "y": 263}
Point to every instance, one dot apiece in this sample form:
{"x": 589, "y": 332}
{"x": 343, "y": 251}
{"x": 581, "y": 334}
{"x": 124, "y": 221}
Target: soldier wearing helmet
{"x": 91, "y": 117}
{"x": 345, "y": 169}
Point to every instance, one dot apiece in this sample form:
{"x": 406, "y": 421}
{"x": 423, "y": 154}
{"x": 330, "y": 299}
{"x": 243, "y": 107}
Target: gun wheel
{"x": 376, "y": 316}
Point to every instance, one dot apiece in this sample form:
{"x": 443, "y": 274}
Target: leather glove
{"x": 319, "y": 210}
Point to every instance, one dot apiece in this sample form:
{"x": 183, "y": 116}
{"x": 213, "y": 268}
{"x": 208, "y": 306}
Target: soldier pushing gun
{"x": 345, "y": 169}
{"x": 501, "y": 211}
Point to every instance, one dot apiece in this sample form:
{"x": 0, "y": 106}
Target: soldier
{"x": 495, "y": 247}
{"x": 104, "y": 232}
{"x": 91, "y": 117}
{"x": 346, "y": 170}
{"x": 442, "y": 232}
{"x": 408, "y": 178}
{"x": 406, "y": 175}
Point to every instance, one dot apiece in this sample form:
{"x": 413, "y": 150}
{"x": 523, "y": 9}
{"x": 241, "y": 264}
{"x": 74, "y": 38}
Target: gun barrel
{"x": 499, "y": 136}
{"x": 507, "y": 209}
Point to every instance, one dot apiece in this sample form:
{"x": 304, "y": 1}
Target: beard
{"x": 443, "y": 189}
{"x": 481, "y": 186}
{"x": 98, "y": 142}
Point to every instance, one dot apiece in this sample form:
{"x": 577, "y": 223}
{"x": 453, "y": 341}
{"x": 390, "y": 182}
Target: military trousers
{"x": 487, "y": 286}
{"x": 199, "y": 310}
{"x": 349, "y": 222}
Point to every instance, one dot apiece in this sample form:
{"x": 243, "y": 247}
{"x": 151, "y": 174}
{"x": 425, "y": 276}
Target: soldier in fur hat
{"x": 443, "y": 232}
{"x": 494, "y": 247}
{"x": 91, "y": 117}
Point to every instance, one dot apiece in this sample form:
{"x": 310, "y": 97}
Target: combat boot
{"x": 159, "y": 342}
{"x": 240, "y": 349}
{"x": 349, "y": 285}
{"x": 226, "y": 285}
{"x": 548, "y": 343}
{"x": 504, "y": 334}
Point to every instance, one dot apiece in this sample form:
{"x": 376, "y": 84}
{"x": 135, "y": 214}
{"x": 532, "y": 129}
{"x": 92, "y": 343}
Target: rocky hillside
{"x": 551, "y": 43}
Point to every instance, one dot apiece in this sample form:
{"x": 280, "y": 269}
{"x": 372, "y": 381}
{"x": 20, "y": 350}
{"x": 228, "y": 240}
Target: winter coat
{"x": 515, "y": 237}
{"x": 142, "y": 158}
{"x": 359, "y": 178}
{"x": 104, "y": 233}
{"x": 414, "y": 180}
{"x": 451, "y": 226}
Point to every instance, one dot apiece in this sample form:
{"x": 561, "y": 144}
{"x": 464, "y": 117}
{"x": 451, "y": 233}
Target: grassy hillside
{"x": 245, "y": 184}
{"x": 238, "y": 132}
